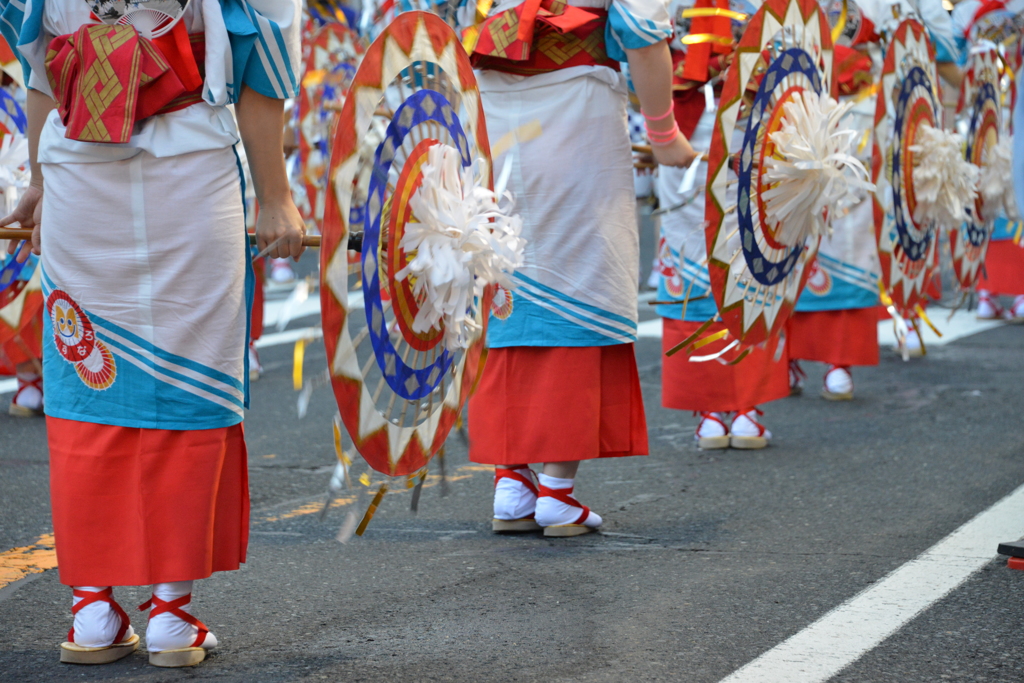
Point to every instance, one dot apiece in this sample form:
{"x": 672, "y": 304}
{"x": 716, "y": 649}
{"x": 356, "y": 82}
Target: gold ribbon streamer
{"x": 370, "y": 511}
{"x": 837, "y": 30}
{"x": 346, "y": 462}
{"x": 924, "y": 316}
{"x": 862, "y": 145}
{"x": 313, "y": 78}
{"x": 710, "y": 339}
{"x": 920, "y": 337}
{"x": 866, "y": 93}
{"x": 471, "y": 35}
{"x": 298, "y": 358}
{"x": 884, "y": 295}
{"x": 686, "y": 342}
{"x": 699, "y": 38}
{"x": 713, "y": 12}
{"x": 899, "y": 325}
{"x": 718, "y": 354}
{"x": 522, "y": 134}
{"x": 740, "y": 357}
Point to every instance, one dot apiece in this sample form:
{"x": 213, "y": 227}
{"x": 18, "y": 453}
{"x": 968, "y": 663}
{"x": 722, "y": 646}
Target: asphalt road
{"x": 707, "y": 559}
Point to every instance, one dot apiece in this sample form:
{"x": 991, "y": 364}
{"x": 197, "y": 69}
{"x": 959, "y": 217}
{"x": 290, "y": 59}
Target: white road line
{"x": 8, "y": 386}
{"x": 842, "y": 636}
{"x": 649, "y": 329}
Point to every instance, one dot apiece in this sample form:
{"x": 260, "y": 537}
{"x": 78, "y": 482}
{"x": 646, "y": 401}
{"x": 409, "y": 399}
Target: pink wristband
{"x": 664, "y": 137}
{"x": 658, "y": 118}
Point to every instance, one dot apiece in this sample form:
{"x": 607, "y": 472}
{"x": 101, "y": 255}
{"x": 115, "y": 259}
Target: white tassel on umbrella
{"x": 945, "y": 183}
{"x": 817, "y": 171}
{"x": 14, "y": 175}
{"x": 995, "y": 183}
{"x": 462, "y": 240}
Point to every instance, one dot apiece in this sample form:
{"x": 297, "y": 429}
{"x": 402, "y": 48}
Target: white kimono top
{"x": 573, "y": 187}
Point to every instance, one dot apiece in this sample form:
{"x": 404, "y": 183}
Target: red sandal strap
{"x": 505, "y": 473}
{"x": 105, "y": 595}
{"x": 174, "y": 607}
{"x": 794, "y": 367}
{"x": 714, "y": 418}
{"x": 746, "y": 413}
{"x": 23, "y": 385}
{"x": 996, "y": 308}
{"x": 565, "y": 496}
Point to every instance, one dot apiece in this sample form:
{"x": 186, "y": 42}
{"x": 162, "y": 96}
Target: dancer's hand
{"x": 280, "y": 221}
{"x": 677, "y": 153}
{"x": 28, "y": 214}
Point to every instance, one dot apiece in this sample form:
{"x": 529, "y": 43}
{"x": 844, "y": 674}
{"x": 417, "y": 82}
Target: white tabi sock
{"x": 512, "y": 498}
{"x": 554, "y": 512}
{"x": 747, "y": 424}
{"x": 1017, "y": 310}
{"x": 838, "y": 380}
{"x": 97, "y": 624}
{"x": 166, "y": 631}
{"x": 29, "y": 396}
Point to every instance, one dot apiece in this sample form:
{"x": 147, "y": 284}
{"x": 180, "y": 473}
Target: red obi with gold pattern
{"x": 106, "y": 78}
{"x": 539, "y": 36}
{"x": 852, "y": 69}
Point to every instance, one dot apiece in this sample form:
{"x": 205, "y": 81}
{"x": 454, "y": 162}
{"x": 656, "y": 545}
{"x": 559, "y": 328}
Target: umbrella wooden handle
{"x": 312, "y": 241}
{"x": 15, "y": 234}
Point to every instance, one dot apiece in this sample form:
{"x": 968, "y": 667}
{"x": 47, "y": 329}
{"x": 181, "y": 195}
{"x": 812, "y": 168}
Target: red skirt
{"x": 134, "y": 507}
{"x": 717, "y": 387}
{"x": 27, "y": 345}
{"x": 557, "y": 404}
{"x": 1004, "y": 266}
{"x": 847, "y": 337}
{"x": 258, "y": 298}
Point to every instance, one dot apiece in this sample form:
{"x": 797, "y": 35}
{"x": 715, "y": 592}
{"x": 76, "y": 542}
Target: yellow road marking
{"x": 17, "y": 563}
{"x": 310, "y": 508}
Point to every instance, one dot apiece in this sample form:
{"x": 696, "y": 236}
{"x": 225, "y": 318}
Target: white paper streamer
{"x": 995, "y": 183}
{"x": 463, "y": 241}
{"x": 14, "y": 175}
{"x": 945, "y": 183}
{"x": 817, "y": 170}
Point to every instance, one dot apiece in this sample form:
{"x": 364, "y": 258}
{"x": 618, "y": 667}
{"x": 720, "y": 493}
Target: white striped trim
{"x": 168, "y": 365}
{"x": 535, "y": 294}
{"x": 847, "y": 273}
{"x": 267, "y": 37}
{"x": 699, "y": 275}
{"x": 633, "y": 24}
{"x": 624, "y": 339}
{"x": 184, "y": 386}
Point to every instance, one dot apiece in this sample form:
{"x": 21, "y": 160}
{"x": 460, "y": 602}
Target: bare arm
{"x": 28, "y": 213}
{"x": 261, "y": 125}
{"x": 950, "y": 73}
{"x": 651, "y": 70}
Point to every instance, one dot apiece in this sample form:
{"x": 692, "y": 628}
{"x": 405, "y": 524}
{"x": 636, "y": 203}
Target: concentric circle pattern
{"x": 398, "y": 390}
{"x": 908, "y": 99}
{"x": 786, "y": 49}
{"x": 980, "y": 107}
